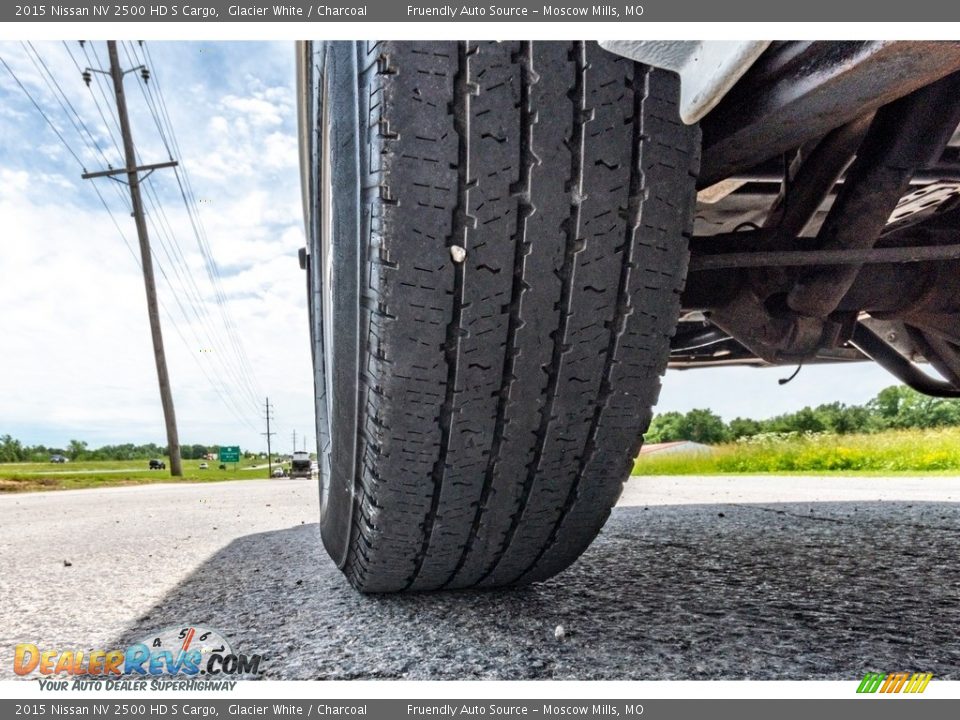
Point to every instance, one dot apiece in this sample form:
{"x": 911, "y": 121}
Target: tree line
{"x": 894, "y": 408}
{"x": 12, "y": 450}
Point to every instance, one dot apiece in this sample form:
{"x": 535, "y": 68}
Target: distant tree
{"x": 804, "y": 420}
{"x": 844, "y": 419}
{"x": 886, "y": 405}
{"x": 698, "y": 425}
{"x": 77, "y": 450}
{"x": 37, "y": 453}
{"x": 10, "y": 450}
{"x": 666, "y": 427}
{"x": 193, "y": 452}
{"x": 744, "y": 427}
{"x": 704, "y": 426}
{"x": 900, "y": 407}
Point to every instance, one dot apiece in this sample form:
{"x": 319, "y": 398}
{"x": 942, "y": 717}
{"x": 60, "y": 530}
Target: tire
{"x": 478, "y": 418}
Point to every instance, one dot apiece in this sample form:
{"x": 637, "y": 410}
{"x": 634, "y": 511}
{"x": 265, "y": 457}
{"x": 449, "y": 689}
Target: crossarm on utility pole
{"x": 120, "y": 171}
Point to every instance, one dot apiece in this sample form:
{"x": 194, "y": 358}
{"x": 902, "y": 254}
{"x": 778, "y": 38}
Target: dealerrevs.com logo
{"x": 188, "y": 651}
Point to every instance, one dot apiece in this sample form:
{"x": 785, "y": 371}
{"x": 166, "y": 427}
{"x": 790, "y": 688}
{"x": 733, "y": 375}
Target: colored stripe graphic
{"x": 894, "y": 682}
{"x": 870, "y": 683}
{"x": 918, "y": 682}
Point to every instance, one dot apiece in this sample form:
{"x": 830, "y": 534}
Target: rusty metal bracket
{"x": 801, "y": 258}
{"x": 798, "y": 91}
{"x": 867, "y": 342}
{"x": 904, "y": 136}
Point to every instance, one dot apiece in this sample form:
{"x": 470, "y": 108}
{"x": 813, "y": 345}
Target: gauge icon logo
{"x": 189, "y": 650}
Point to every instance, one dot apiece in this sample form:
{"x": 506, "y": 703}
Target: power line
{"x": 220, "y": 297}
{"x": 242, "y": 374}
{"x": 99, "y": 82}
{"x": 188, "y": 284}
{"x": 193, "y": 302}
{"x": 198, "y": 342}
{"x": 189, "y": 198}
{"x": 44, "y": 115}
{"x": 84, "y": 134}
{"x": 96, "y": 103}
{"x": 148, "y": 97}
{"x": 223, "y": 394}
{"x": 163, "y": 230}
{"x": 52, "y": 83}
{"x": 161, "y": 116}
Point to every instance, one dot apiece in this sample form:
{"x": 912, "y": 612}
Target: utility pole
{"x": 294, "y": 440}
{"x": 268, "y": 434}
{"x": 146, "y": 259}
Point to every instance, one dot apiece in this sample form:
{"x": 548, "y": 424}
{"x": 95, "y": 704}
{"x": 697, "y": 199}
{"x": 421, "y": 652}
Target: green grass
{"x": 900, "y": 451}
{"x": 21, "y": 477}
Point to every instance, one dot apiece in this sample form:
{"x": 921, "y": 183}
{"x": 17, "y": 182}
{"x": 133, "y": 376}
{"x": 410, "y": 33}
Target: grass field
{"x": 21, "y": 477}
{"x": 892, "y": 452}
{"x": 901, "y": 451}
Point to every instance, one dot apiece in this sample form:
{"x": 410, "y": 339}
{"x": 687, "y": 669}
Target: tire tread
{"x": 501, "y": 400}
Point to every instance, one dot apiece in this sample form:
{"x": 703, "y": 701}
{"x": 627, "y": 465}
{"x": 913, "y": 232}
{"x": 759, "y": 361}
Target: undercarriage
{"x": 828, "y": 217}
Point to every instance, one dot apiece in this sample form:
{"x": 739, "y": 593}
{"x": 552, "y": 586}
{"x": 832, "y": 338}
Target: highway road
{"x": 696, "y": 578}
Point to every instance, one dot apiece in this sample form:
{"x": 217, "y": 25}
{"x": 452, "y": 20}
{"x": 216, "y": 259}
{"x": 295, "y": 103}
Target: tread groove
{"x": 452, "y": 355}
{"x": 578, "y": 97}
{"x": 622, "y": 310}
{"x": 521, "y": 248}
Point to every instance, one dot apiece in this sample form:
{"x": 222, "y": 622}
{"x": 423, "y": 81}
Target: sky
{"x": 76, "y": 359}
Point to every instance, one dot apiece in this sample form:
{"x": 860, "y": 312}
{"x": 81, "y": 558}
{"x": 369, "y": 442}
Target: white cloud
{"x": 13, "y": 181}
{"x": 256, "y": 109}
{"x": 281, "y": 151}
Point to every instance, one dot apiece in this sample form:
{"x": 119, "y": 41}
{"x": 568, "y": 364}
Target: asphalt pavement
{"x": 692, "y": 578}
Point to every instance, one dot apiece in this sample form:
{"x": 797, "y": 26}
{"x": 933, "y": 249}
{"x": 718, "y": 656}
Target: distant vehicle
{"x": 203, "y": 466}
{"x": 300, "y": 465}
{"x": 158, "y": 465}
{"x": 279, "y": 472}
{"x": 58, "y": 459}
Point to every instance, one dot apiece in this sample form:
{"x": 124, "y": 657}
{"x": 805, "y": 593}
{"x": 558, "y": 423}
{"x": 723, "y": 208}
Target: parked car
{"x": 553, "y": 224}
{"x": 57, "y": 459}
{"x": 203, "y": 466}
{"x": 279, "y": 472}
{"x": 158, "y": 465}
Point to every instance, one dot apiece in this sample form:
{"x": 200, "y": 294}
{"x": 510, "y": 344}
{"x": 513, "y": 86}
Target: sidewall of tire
{"x": 343, "y": 133}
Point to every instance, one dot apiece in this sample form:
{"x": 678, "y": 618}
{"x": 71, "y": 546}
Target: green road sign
{"x": 230, "y": 453}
